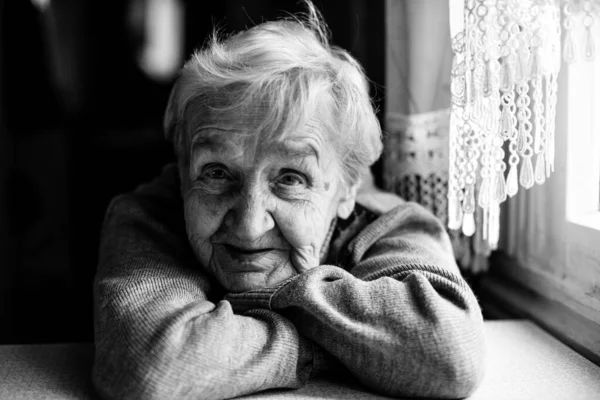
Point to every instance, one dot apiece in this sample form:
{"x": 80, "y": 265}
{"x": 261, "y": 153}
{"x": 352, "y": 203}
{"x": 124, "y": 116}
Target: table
{"x": 523, "y": 362}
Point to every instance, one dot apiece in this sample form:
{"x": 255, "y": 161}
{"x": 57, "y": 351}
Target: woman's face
{"x": 257, "y": 212}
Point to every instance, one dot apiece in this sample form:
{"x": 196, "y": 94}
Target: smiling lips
{"x": 245, "y": 255}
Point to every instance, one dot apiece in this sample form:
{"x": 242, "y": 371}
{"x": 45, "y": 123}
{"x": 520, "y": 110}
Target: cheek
{"x": 203, "y": 216}
{"x": 305, "y": 224}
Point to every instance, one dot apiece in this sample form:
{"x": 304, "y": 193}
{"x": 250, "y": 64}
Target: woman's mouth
{"x": 245, "y": 255}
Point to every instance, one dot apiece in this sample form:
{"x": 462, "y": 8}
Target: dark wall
{"x": 80, "y": 122}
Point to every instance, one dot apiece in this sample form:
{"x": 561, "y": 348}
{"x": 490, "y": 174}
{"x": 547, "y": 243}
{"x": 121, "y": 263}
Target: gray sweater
{"x": 388, "y": 307}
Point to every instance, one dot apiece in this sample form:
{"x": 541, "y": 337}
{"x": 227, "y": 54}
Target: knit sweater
{"x": 388, "y": 308}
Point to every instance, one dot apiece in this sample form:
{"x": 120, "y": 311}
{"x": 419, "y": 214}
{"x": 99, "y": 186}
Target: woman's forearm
{"x": 416, "y": 334}
{"x": 399, "y": 316}
{"x": 172, "y": 346}
{"x": 158, "y": 335}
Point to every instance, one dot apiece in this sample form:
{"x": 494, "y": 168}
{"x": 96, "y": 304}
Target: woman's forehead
{"x": 270, "y": 120}
{"x": 231, "y": 119}
{"x": 223, "y": 126}
{"x": 237, "y": 140}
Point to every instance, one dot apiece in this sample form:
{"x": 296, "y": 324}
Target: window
{"x": 583, "y": 143}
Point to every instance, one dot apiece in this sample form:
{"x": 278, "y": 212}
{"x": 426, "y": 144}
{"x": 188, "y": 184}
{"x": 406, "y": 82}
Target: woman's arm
{"x": 401, "y": 319}
{"x": 158, "y": 335}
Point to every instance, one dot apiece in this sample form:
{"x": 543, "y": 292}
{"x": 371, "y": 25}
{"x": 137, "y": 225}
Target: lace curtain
{"x": 415, "y": 160}
{"x": 465, "y": 130}
{"x": 416, "y": 155}
{"x": 507, "y": 56}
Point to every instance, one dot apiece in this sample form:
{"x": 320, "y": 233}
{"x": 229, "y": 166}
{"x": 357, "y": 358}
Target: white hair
{"x": 289, "y": 66}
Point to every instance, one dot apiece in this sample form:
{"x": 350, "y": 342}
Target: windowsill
{"x": 589, "y": 220}
{"x": 501, "y": 297}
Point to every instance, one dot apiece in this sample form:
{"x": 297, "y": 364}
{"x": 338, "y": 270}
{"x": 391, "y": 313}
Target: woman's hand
{"x": 305, "y": 258}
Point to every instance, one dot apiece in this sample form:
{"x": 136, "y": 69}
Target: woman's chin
{"x": 251, "y": 272}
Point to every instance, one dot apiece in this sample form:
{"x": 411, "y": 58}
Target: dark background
{"x": 80, "y": 122}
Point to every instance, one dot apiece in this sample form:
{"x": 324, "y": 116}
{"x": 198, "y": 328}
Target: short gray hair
{"x": 290, "y": 66}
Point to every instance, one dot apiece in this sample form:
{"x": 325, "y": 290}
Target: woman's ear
{"x": 347, "y": 202}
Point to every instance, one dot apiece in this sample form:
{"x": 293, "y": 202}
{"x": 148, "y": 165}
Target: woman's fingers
{"x": 305, "y": 258}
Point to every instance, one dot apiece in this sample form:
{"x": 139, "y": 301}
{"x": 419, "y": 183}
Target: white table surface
{"x": 523, "y": 362}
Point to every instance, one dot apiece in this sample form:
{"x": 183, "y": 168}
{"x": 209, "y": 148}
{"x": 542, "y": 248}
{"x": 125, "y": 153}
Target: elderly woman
{"x": 250, "y": 265}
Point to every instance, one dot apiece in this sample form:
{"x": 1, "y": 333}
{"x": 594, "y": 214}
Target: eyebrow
{"x": 209, "y": 141}
{"x": 306, "y": 150}
{"x": 202, "y": 142}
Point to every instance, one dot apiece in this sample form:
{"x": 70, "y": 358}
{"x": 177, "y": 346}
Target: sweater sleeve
{"x": 398, "y": 316}
{"x": 161, "y": 330}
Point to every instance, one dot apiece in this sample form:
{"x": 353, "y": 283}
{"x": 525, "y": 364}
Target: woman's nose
{"x": 251, "y": 217}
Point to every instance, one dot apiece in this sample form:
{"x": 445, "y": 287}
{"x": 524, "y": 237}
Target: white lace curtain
{"x": 416, "y": 155}
{"x": 418, "y": 59}
{"x": 507, "y": 56}
{"x": 464, "y": 132}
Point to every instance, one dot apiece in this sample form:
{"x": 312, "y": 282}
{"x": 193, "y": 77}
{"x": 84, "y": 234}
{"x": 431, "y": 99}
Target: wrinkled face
{"x": 257, "y": 212}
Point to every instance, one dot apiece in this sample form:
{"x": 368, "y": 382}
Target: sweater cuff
{"x": 253, "y": 299}
{"x": 320, "y": 361}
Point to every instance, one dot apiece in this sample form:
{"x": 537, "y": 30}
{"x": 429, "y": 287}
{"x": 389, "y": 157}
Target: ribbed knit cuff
{"x": 320, "y": 358}
{"x": 257, "y": 298}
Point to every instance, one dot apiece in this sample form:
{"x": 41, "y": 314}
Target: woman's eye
{"x": 292, "y": 179}
{"x": 215, "y": 172}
